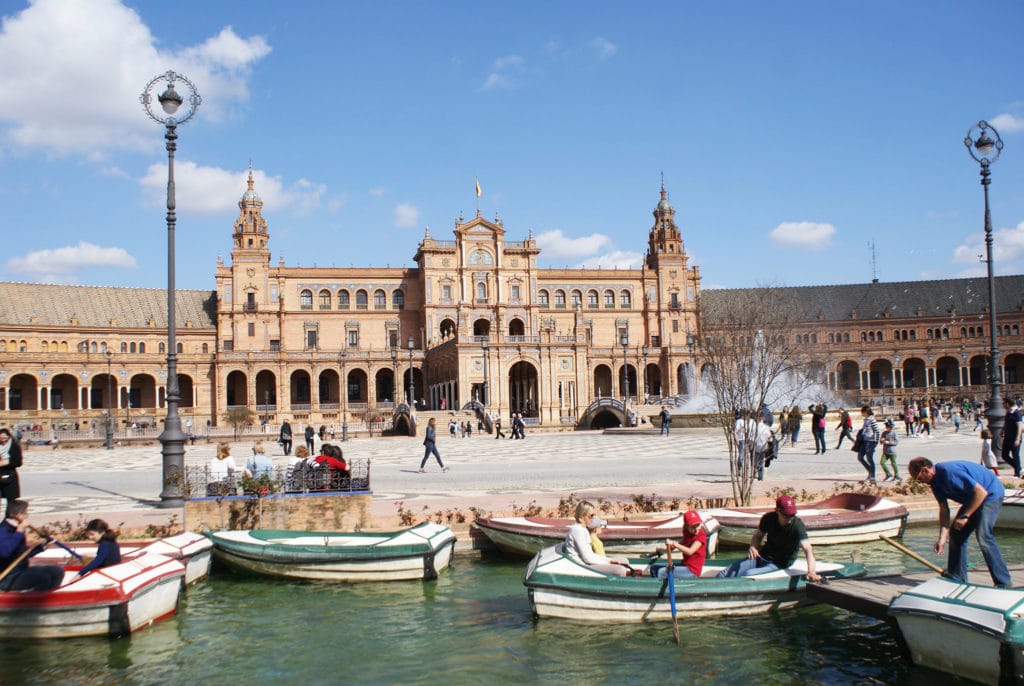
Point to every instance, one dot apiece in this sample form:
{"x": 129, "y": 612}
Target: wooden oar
{"x": 10, "y": 567}
{"x": 40, "y": 534}
{"x": 672, "y": 595}
{"x": 907, "y": 551}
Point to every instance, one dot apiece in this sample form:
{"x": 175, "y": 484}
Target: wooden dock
{"x": 871, "y": 595}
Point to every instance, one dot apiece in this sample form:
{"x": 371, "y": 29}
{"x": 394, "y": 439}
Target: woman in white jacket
{"x": 577, "y": 545}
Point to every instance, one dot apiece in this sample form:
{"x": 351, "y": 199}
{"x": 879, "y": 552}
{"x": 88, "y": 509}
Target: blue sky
{"x": 790, "y": 135}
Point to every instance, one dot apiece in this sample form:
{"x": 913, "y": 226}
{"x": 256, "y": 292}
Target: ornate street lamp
{"x": 110, "y": 401}
{"x": 985, "y": 150}
{"x": 173, "y": 438}
{"x": 342, "y": 356}
{"x": 483, "y": 399}
{"x": 624, "y": 341}
{"x": 412, "y": 384}
{"x": 645, "y": 350}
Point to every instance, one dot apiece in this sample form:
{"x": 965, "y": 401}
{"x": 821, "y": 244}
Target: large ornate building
{"x": 475, "y": 319}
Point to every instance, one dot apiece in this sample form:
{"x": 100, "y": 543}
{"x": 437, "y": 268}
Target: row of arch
{"x": 325, "y": 299}
{"x": 101, "y": 392}
{"x": 914, "y": 372}
{"x": 557, "y": 299}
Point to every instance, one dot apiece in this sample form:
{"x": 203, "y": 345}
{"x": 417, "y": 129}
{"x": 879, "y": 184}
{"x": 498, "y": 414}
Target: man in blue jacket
{"x": 13, "y": 561}
{"x": 980, "y": 496}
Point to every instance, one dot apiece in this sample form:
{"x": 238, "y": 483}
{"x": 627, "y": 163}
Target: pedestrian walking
{"x": 818, "y": 413}
{"x": 869, "y": 435}
{"x": 285, "y": 437}
{"x": 430, "y": 447}
{"x": 666, "y": 420}
{"x": 795, "y": 417}
{"x": 1013, "y": 428}
{"x": 10, "y": 460}
{"x": 310, "y": 441}
{"x": 988, "y": 458}
{"x": 497, "y": 428}
{"x": 890, "y": 439}
{"x": 845, "y": 425}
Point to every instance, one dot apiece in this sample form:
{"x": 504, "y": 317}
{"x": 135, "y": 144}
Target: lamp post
{"x": 412, "y": 384}
{"x": 172, "y": 438}
{"x": 985, "y": 150}
{"x": 394, "y": 373}
{"x": 110, "y": 400}
{"x": 484, "y": 394}
{"x": 624, "y": 341}
{"x": 342, "y": 356}
{"x": 644, "y": 350}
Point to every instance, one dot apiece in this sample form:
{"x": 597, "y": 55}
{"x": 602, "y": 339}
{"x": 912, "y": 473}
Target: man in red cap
{"x": 694, "y": 548}
{"x": 786, "y": 534}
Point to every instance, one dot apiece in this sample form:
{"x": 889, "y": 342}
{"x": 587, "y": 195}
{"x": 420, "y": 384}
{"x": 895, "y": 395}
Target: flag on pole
{"x": 479, "y": 193}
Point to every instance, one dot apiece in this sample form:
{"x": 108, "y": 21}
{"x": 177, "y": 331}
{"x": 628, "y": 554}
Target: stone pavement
{"x": 122, "y": 485}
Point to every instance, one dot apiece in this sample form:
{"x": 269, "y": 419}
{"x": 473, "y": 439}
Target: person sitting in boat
{"x": 577, "y": 545}
{"x": 786, "y": 534}
{"x": 595, "y": 527}
{"x": 259, "y": 464}
{"x": 108, "y": 552}
{"x": 14, "y": 554}
{"x": 221, "y": 472}
{"x": 694, "y": 548}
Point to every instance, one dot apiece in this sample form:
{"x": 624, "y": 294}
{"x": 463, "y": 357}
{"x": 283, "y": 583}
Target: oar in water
{"x": 672, "y": 594}
{"x": 54, "y": 540}
{"x": 907, "y": 551}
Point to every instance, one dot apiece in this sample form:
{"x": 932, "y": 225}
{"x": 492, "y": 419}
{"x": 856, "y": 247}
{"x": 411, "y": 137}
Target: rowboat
{"x": 1011, "y": 516}
{"x": 419, "y": 552}
{"x": 559, "y": 586}
{"x": 191, "y": 549}
{"x": 973, "y": 631}
{"x": 110, "y": 601}
{"x": 844, "y": 518}
{"x": 526, "y": 536}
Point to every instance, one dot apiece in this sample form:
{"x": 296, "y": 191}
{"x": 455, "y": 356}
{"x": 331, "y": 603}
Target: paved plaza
{"x": 122, "y": 485}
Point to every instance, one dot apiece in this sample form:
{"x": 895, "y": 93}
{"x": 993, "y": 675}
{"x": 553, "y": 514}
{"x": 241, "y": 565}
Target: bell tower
{"x": 664, "y": 244}
{"x": 250, "y": 236}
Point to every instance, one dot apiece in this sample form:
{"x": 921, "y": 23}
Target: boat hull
{"x": 1011, "y": 515}
{"x": 191, "y": 549}
{"x": 847, "y": 518}
{"x": 982, "y": 623}
{"x": 526, "y": 536}
{"x": 416, "y": 553}
{"x": 111, "y": 601}
{"x": 560, "y": 587}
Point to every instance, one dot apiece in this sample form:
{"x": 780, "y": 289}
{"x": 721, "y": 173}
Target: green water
{"x": 472, "y": 626}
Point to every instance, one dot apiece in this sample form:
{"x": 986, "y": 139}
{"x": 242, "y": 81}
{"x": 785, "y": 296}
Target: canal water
{"x": 472, "y": 626}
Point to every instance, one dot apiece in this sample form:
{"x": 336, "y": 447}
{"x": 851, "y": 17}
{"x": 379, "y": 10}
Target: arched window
{"x": 398, "y": 300}
{"x": 380, "y": 299}
{"x": 343, "y": 301}
{"x": 1016, "y": 330}
{"x": 577, "y": 299}
{"x": 878, "y": 336}
{"x": 124, "y": 347}
{"x": 609, "y": 299}
{"x": 981, "y": 332}
{"x": 361, "y": 299}
{"x": 206, "y": 348}
{"x": 863, "y": 336}
{"x": 560, "y": 299}
{"x": 103, "y": 346}
{"x": 481, "y": 292}
{"x": 93, "y": 347}
{"x": 142, "y": 347}
{"x": 542, "y": 298}
{"x": 831, "y": 338}
{"x": 625, "y": 300}
{"x": 963, "y": 331}
{"x": 306, "y": 299}
{"x": 23, "y": 347}
{"x": 161, "y": 348}
{"x": 180, "y": 348}
{"x": 846, "y": 338}
{"x": 814, "y": 338}
{"x": 913, "y": 334}
{"x": 131, "y": 348}
{"x": 46, "y": 347}
{"x": 945, "y": 333}
{"x": 592, "y": 300}
{"x": 325, "y": 299}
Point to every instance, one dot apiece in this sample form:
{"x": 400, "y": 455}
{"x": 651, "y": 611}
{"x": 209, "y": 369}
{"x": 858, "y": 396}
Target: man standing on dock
{"x": 980, "y": 496}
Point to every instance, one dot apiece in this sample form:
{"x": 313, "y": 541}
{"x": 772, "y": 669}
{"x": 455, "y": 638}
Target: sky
{"x": 801, "y": 143}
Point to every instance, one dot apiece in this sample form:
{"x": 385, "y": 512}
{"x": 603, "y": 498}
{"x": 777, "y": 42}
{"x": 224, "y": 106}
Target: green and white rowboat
{"x": 419, "y": 552}
{"x": 973, "y": 631}
{"x": 562, "y": 587}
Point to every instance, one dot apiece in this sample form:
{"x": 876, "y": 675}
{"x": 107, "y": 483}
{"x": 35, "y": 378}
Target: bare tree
{"x": 752, "y": 357}
{"x": 239, "y": 418}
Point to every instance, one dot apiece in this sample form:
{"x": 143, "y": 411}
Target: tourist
{"x": 744, "y": 432}
{"x": 430, "y": 447}
{"x": 818, "y": 413}
{"x": 10, "y": 460}
{"x": 108, "y": 552}
{"x": 694, "y": 547}
{"x": 332, "y": 457}
{"x": 220, "y": 473}
{"x": 890, "y": 439}
{"x": 783, "y": 423}
{"x": 845, "y": 425}
{"x": 980, "y": 496}
{"x": 762, "y": 438}
{"x": 595, "y": 527}
{"x": 452, "y": 427}
{"x": 259, "y": 464}
{"x": 908, "y": 419}
{"x": 309, "y": 434}
{"x": 925, "y": 419}
{"x": 786, "y": 535}
{"x": 577, "y": 545}
{"x": 497, "y": 427}
{"x": 294, "y": 473}
{"x": 285, "y": 437}
{"x": 988, "y": 458}
{"x": 666, "y": 421}
{"x": 795, "y": 417}
{"x": 869, "y": 435}
{"x": 1013, "y": 428}
{"x": 14, "y": 554}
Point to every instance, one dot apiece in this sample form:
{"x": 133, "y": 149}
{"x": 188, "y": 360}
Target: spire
{"x": 250, "y": 227}
{"x": 664, "y": 240}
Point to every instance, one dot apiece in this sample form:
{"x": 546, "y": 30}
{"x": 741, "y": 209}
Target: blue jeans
{"x": 980, "y": 523}
{"x": 664, "y": 428}
{"x": 748, "y": 567}
{"x": 866, "y": 457}
{"x": 659, "y": 570}
{"x": 431, "y": 448}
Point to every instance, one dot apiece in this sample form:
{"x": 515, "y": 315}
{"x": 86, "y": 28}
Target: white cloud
{"x": 604, "y": 47}
{"x": 406, "y": 215}
{"x": 1007, "y": 123}
{"x": 809, "y": 235}
{"x": 212, "y": 190}
{"x": 615, "y": 259}
{"x": 554, "y": 245}
{"x": 505, "y": 73}
{"x": 58, "y": 265}
{"x": 1007, "y": 249}
{"x": 376, "y": 192}
{"x": 73, "y": 73}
